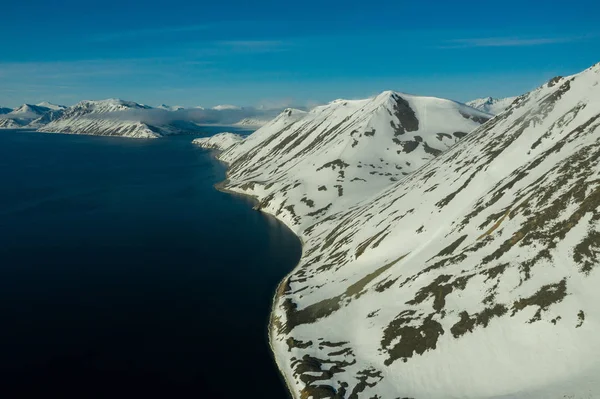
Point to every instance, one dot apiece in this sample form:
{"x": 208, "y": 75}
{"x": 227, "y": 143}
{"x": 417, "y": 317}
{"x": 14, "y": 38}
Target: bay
{"x": 124, "y": 273}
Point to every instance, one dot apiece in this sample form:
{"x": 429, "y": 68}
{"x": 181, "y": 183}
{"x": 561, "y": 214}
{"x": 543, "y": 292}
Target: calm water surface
{"x": 124, "y": 274}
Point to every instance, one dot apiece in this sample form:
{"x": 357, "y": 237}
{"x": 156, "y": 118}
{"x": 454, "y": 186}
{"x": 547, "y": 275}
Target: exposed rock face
{"x": 474, "y": 275}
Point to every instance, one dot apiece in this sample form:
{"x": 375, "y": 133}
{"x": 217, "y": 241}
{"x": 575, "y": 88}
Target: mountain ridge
{"x": 106, "y": 118}
{"x": 170, "y": 107}
{"x": 252, "y": 122}
{"x": 21, "y": 116}
{"x": 491, "y": 105}
{"x": 51, "y": 106}
{"x": 385, "y": 125}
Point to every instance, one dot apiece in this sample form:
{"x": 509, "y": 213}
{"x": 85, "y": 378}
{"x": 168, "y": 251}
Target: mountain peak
{"x": 491, "y": 105}
{"x": 28, "y": 111}
{"x": 23, "y": 108}
{"x": 108, "y": 105}
{"x": 170, "y": 107}
{"x": 390, "y": 94}
{"x": 378, "y": 140}
{"x": 49, "y": 105}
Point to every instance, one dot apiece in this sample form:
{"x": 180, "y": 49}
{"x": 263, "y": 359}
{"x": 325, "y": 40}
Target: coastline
{"x": 221, "y": 186}
{"x": 29, "y": 130}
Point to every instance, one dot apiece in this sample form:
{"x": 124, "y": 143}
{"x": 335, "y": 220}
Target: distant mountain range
{"x": 25, "y": 114}
{"x": 170, "y": 107}
{"x": 115, "y": 117}
{"x": 493, "y": 106}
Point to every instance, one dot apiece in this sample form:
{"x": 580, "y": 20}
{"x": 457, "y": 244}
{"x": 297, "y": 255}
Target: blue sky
{"x": 277, "y": 53}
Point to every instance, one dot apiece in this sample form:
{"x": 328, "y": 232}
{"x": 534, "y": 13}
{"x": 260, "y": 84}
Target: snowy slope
{"x": 340, "y": 151}
{"x": 26, "y": 113}
{"x": 102, "y": 107}
{"x": 51, "y": 106}
{"x": 170, "y": 107}
{"x": 8, "y": 123}
{"x": 252, "y": 122}
{"x": 227, "y": 141}
{"x": 491, "y": 105}
{"x": 48, "y": 117}
{"x": 219, "y": 141}
{"x": 29, "y": 116}
{"x": 20, "y": 117}
{"x": 474, "y": 276}
{"x": 110, "y": 117}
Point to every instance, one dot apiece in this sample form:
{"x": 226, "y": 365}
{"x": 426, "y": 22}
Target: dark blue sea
{"x": 125, "y": 274}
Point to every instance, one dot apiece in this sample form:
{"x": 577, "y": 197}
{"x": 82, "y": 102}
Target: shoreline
{"x": 270, "y": 330}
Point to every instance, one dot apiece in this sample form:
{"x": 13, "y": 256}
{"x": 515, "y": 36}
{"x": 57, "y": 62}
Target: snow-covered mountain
{"x": 219, "y": 141}
{"x": 170, "y": 107}
{"x": 28, "y": 112}
{"x": 46, "y": 118}
{"x": 473, "y": 276}
{"x": 8, "y": 123}
{"x": 253, "y": 122}
{"x": 342, "y": 150}
{"x": 51, "y": 106}
{"x": 21, "y": 117}
{"x": 491, "y": 105}
{"x": 112, "y": 117}
{"x": 29, "y": 116}
{"x": 115, "y": 117}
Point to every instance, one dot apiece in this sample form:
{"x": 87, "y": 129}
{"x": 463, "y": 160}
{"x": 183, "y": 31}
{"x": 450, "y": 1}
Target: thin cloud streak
{"x": 252, "y": 46}
{"x": 52, "y": 70}
{"x": 151, "y": 32}
{"x": 251, "y": 43}
{"x": 507, "y": 42}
